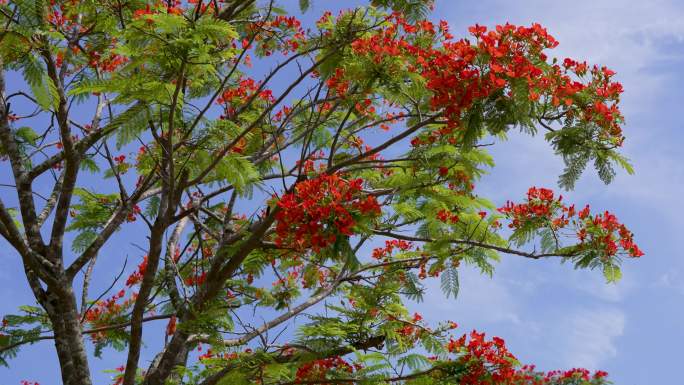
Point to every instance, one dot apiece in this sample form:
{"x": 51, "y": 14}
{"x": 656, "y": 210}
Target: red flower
{"x": 601, "y": 232}
{"x": 137, "y": 275}
{"x": 321, "y": 209}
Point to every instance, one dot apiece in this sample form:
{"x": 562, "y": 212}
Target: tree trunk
{"x": 64, "y": 316}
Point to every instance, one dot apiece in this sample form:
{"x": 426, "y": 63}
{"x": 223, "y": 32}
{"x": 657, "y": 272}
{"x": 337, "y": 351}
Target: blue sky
{"x": 550, "y": 314}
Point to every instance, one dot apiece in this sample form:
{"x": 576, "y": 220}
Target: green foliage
{"x": 165, "y": 109}
{"x": 42, "y": 88}
{"x": 116, "y": 339}
{"x": 412, "y": 288}
{"x": 83, "y": 240}
{"x": 18, "y": 329}
{"x": 414, "y": 9}
{"x": 129, "y": 124}
{"x": 92, "y": 211}
{"x": 88, "y": 164}
{"x": 450, "y": 284}
{"x": 304, "y": 5}
{"x": 89, "y": 216}
{"x": 237, "y": 171}
{"x": 612, "y": 272}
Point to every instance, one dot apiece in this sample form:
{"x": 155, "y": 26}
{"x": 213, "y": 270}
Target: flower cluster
{"x": 538, "y": 209}
{"x": 337, "y": 82}
{"x": 411, "y": 329}
{"x": 210, "y": 354}
{"x": 137, "y": 275}
{"x": 172, "y": 7}
{"x": 284, "y": 33}
{"x": 102, "y": 58}
{"x": 135, "y": 210}
{"x": 243, "y": 88}
{"x": 61, "y": 16}
{"x": 508, "y": 60}
{"x": 480, "y": 356}
{"x": 321, "y": 209}
{"x": 105, "y": 312}
{"x": 604, "y": 232}
{"x": 446, "y": 216}
{"x": 108, "y": 63}
{"x": 382, "y": 253}
{"x": 118, "y": 378}
{"x": 195, "y": 278}
{"x": 489, "y": 362}
{"x": 240, "y": 93}
{"x": 318, "y": 369}
{"x": 600, "y": 232}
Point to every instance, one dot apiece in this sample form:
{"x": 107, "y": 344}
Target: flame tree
{"x": 345, "y": 171}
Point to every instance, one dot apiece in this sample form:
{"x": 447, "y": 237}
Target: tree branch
{"x": 504, "y": 250}
{"x": 87, "y": 331}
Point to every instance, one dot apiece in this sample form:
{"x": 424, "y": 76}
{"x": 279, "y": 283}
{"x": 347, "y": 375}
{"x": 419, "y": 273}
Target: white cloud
{"x": 554, "y": 331}
{"x": 481, "y": 300}
{"x": 593, "y": 284}
{"x": 672, "y": 280}
{"x": 589, "y": 336}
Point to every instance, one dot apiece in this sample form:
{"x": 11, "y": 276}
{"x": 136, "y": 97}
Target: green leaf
{"x": 92, "y": 211}
{"x": 83, "y": 240}
{"x": 237, "y": 171}
{"x": 621, "y": 161}
{"x": 413, "y": 289}
{"x": 449, "y": 281}
{"x": 90, "y": 86}
{"x": 88, "y": 164}
{"x": 32, "y": 10}
{"x": 131, "y": 123}
{"x": 152, "y": 207}
{"x": 547, "y": 241}
{"x": 413, "y": 9}
{"x": 415, "y": 361}
{"x": 612, "y": 272}
{"x": 304, "y": 5}
{"x": 27, "y": 135}
{"x": 40, "y": 84}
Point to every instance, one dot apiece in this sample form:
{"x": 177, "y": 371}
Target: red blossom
{"x": 600, "y": 232}
{"x": 137, "y": 275}
{"x": 318, "y": 369}
{"x": 390, "y": 245}
{"x": 321, "y": 209}
{"x": 489, "y": 362}
{"x": 460, "y": 73}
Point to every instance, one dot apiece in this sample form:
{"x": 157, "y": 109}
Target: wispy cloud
{"x": 589, "y": 337}
{"x": 481, "y": 300}
{"x": 672, "y": 281}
